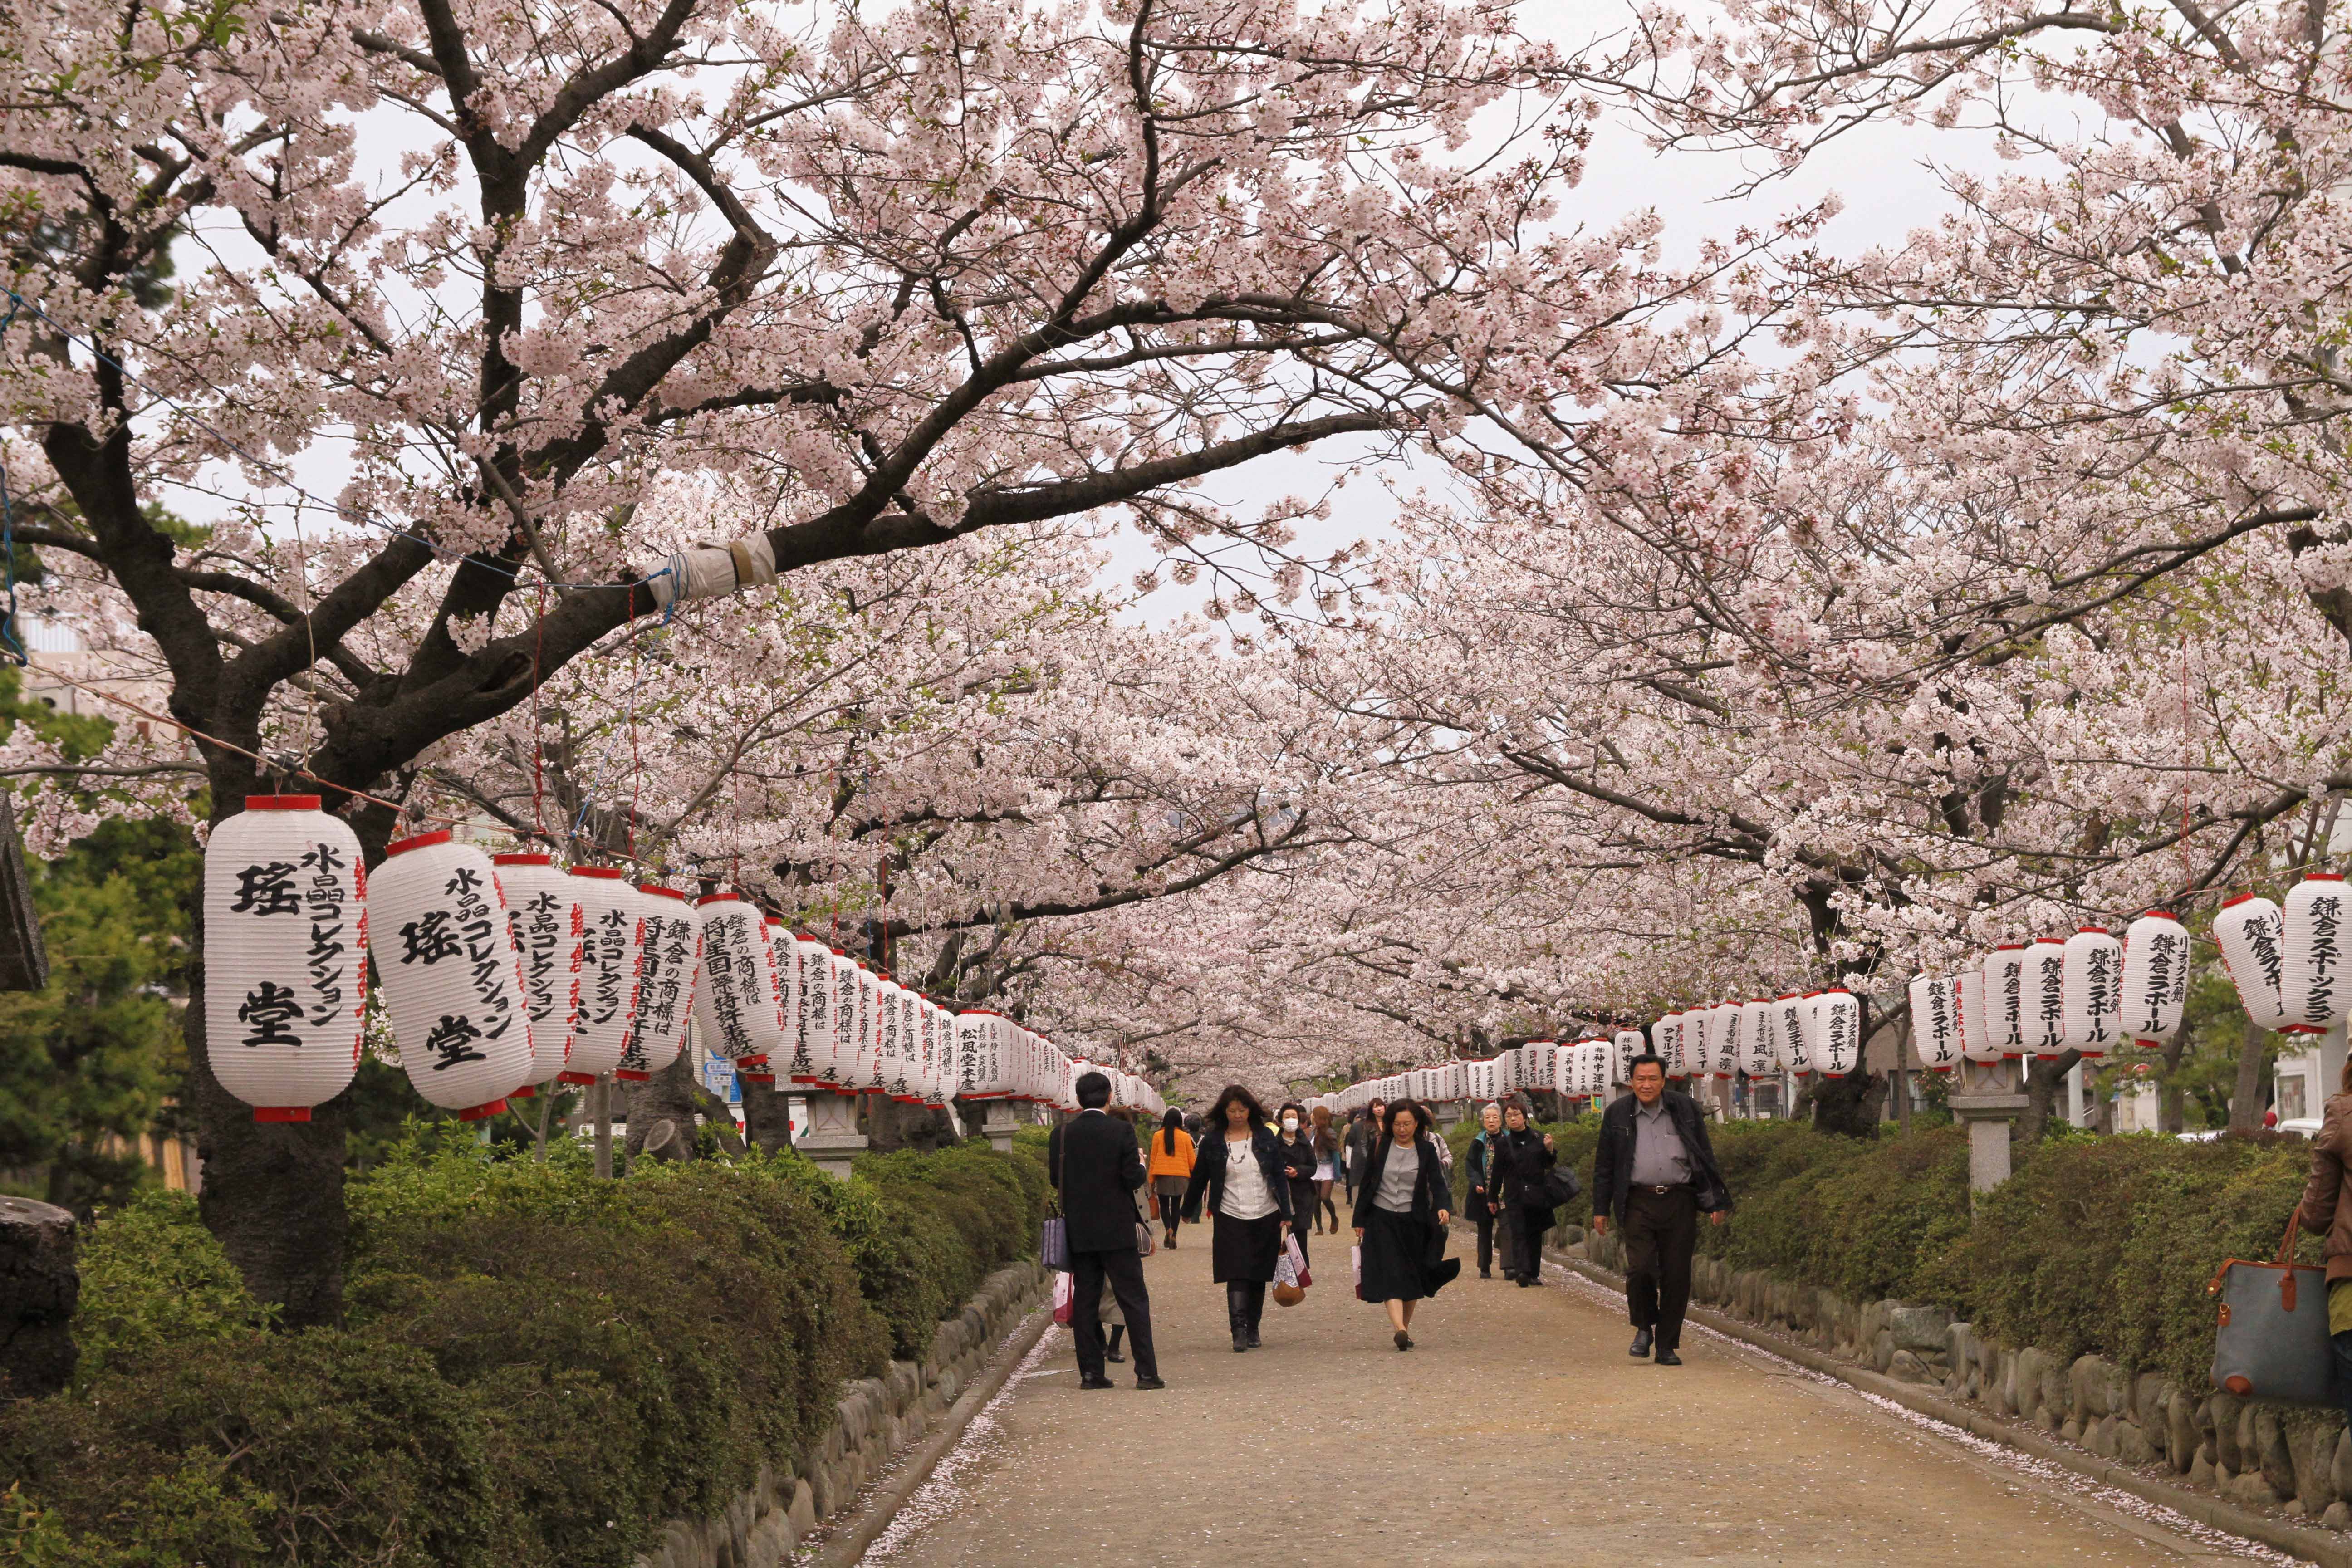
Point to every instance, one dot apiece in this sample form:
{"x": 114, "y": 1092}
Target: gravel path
{"x": 1517, "y": 1431}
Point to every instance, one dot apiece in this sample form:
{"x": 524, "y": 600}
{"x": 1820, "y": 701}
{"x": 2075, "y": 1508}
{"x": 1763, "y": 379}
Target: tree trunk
{"x": 1848, "y": 1106}
{"x": 2171, "y": 1099}
{"x": 273, "y": 1192}
{"x": 39, "y": 1288}
{"x": 767, "y": 1116}
{"x": 2044, "y": 1080}
{"x": 2246, "y": 1105}
{"x": 891, "y": 1125}
{"x": 667, "y": 1096}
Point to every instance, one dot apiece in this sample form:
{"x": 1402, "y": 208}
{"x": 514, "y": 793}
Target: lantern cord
{"x": 408, "y": 809}
{"x": 637, "y": 765}
{"x": 310, "y": 632}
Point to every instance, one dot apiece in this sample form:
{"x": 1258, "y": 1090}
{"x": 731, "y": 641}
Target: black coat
{"x": 1430, "y": 1195}
{"x": 1478, "y": 1177}
{"x": 1208, "y": 1181}
{"x": 1520, "y": 1160}
{"x": 1098, "y": 1165}
{"x": 1612, "y": 1163}
{"x": 1299, "y": 1155}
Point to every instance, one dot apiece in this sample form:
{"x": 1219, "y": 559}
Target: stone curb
{"x": 846, "y": 1546}
{"x": 2311, "y": 1545}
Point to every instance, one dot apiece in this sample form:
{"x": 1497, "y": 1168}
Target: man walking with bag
{"x": 1655, "y": 1174}
{"x": 1095, "y": 1164}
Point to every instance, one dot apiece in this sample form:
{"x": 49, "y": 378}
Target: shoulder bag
{"x": 2271, "y": 1341}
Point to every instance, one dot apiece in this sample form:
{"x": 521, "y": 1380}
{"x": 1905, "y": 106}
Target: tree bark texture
{"x": 891, "y": 1125}
{"x": 1849, "y": 1106}
{"x": 2044, "y": 1081}
{"x": 2246, "y": 1105}
{"x": 667, "y": 1096}
{"x": 767, "y": 1116}
{"x": 38, "y": 1289}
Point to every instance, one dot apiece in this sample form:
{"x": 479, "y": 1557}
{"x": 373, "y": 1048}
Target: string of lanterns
{"x": 499, "y": 973}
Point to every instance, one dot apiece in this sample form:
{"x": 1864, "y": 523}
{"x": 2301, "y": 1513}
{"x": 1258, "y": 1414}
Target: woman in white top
{"x": 1238, "y": 1168}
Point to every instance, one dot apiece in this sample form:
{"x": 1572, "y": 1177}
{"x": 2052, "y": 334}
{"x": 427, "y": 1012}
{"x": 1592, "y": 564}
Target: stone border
{"x": 2321, "y": 1547}
{"x": 876, "y": 1419}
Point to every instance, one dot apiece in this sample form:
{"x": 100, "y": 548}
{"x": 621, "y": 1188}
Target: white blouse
{"x": 1246, "y": 1196}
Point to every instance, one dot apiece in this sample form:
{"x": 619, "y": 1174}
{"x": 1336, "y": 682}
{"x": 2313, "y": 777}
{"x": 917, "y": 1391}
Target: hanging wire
{"x": 538, "y": 751}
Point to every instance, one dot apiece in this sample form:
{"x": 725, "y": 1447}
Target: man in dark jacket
{"x": 1654, "y": 1173}
{"x": 1096, "y": 1165}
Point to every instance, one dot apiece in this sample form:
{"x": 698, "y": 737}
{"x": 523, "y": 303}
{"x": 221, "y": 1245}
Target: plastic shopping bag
{"x": 1063, "y": 1294}
{"x": 1295, "y": 1255}
{"x": 1356, "y": 1260}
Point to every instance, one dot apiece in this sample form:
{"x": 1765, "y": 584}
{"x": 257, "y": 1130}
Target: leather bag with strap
{"x": 2270, "y": 1338}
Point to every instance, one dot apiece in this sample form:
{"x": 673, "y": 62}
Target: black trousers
{"x": 1124, "y": 1269}
{"x": 1661, "y": 1234}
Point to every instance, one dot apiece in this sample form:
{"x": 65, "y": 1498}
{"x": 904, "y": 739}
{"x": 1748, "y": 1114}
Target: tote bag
{"x": 2271, "y": 1340}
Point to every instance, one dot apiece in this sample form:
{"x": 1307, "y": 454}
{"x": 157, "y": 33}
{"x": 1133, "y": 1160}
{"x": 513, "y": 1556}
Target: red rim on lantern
{"x": 665, "y": 892}
{"x": 575, "y": 1078}
{"x": 281, "y": 803}
{"x": 422, "y": 841}
{"x": 523, "y": 859}
{"x": 608, "y": 873}
{"x": 281, "y": 1113}
{"x": 482, "y": 1112}
{"x": 624, "y": 1074}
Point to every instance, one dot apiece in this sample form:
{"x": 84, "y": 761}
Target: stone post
{"x": 833, "y": 1139}
{"x": 1001, "y": 1125}
{"x": 39, "y": 1288}
{"x": 1986, "y": 1103}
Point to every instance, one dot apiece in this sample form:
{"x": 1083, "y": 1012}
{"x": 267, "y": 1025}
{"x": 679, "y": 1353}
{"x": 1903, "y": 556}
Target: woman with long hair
{"x": 1238, "y": 1168}
{"x": 1327, "y": 1169}
{"x": 1403, "y": 1208}
{"x": 1170, "y": 1168}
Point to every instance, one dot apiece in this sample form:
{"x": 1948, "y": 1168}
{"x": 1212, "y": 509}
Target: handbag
{"x": 1053, "y": 1244}
{"x": 2271, "y": 1339}
{"x": 1554, "y": 1188}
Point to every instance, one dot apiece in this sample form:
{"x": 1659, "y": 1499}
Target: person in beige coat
{"x": 2326, "y": 1212}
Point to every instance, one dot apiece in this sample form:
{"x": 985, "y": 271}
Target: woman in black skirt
{"x": 1403, "y": 1208}
{"x": 1238, "y": 1166}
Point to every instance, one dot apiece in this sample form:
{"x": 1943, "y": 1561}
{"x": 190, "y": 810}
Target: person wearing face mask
{"x": 1298, "y": 1161}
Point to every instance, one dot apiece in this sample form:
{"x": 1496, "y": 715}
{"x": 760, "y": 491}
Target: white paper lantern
{"x": 1726, "y": 1048}
{"x": 1699, "y": 1025}
{"x": 1755, "y": 1038}
{"x": 735, "y": 996}
{"x": 673, "y": 965}
{"x": 2311, "y": 952}
{"x": 835, "y": 1067}
{"x": 985, "y": 1054}
{"x": 1791, "y": 1045}
{"x": 2043, "y": 978}
{"x": 1936, "y": 1021}
{"x": 2250, "y": 932}
{"x": 1976, "y": 1042}
{"x": 2156, "y": 977}
{"x": 612, "y": 972}
{"x": 1595, "y": 1058}
{"x": 2006, "y": 1006}
{"x": 1668, "y": 1032}
{"x": 445, "y": 960}
{"x": 940, "y": 1073}
{"x": 1631, "y": 1043}
{"x": 285, "y": 926}
{"x": 1839, "y": 1042}
{"x": 1457, "y": 1080}
{"x": 2092, "y": 985}
{"x": 549, "y": 929}
{"x": 865, "y": 1013}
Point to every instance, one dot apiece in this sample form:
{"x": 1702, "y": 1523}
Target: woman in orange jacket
{"x": 1170, "y": 1168}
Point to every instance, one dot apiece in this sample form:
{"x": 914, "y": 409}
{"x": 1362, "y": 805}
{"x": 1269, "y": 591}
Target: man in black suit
{"x": 1096, "y": 1164}
{"x": 1653, "y": 1175}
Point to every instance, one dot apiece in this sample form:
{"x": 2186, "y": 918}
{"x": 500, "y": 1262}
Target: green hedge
{"x": 2095, "y": 1246}
{"x": 537, "y": 1367}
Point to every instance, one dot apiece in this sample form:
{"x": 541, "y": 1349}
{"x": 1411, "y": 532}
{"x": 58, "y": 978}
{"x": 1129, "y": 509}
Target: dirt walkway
{"x": 1517, "y": 1432}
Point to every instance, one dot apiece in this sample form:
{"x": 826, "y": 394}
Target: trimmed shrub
{"x": 538, "y": 1367}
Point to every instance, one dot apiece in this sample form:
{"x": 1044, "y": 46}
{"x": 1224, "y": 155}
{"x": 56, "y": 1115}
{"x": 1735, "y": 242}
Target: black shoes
{"x": 1525, "y": 1283}
{"x": 1241, "y": 1342}
{"x": 1147, "y": 1383}
{"x": 1119, "y": 1356}
{"x": 1253, "y": 1337}
{"x": 1486, "y": 1274}
{"x": 1092, "y": 1383}
{"x": 1668, "y": 1358}
{"x": 1403, "y": 1340}
{"x": 1640, "y": 1345}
